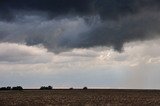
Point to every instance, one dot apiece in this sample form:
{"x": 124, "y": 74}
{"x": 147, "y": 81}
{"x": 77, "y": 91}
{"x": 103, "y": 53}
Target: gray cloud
{"x": 142, "y": 26}
{"x": 98, "y": 23}
{"x": 22, "y": 54}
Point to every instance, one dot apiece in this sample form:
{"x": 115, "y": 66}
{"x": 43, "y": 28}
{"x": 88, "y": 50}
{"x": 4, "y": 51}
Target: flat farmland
{"x": 90, "y": 97}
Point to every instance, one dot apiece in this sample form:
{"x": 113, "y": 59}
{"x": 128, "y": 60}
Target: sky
{"x": 68, "y": 43}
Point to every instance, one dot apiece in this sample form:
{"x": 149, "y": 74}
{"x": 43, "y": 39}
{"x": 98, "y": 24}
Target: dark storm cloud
{"x": 106, "y": 8}
{"x": 54, "y": 7}
{"x": 67, "y": 24}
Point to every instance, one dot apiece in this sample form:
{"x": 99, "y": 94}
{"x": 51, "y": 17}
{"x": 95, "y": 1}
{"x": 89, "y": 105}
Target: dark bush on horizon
{"x": 46, "y": 88}
{"x": 85, "y": 88}
{"x": 71, "y": 88}
{"x": 5, "y": 88}
{"x": 17, "y": 88}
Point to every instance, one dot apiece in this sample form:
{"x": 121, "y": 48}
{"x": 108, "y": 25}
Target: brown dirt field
{"x": 80, "y": 98}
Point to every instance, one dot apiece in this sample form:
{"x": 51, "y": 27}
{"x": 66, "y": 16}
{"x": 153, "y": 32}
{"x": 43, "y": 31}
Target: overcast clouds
{"x": 107, "y": 43}
{"x": 32, "y": 66}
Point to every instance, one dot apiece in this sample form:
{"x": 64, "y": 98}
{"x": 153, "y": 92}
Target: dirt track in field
{"x": 80, "y": 98}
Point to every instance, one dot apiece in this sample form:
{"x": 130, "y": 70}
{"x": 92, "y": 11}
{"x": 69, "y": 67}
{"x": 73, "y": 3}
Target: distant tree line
{"x": 85, "y": 88}
{"x": 41, "y": 88}
{"x": 11, "y": 88}
{"x": 6, "y": 88}
{"x": 46, "y": 88}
